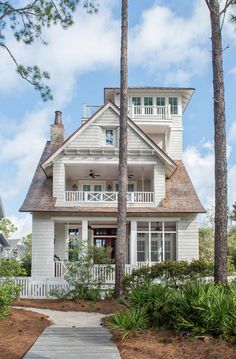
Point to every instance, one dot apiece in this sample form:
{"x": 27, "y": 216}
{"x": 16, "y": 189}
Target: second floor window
{"x": 110, "y": 137}
{"x": 173, "y": 102}
{"x": 160, "y": 101}
{"x": 148, "y": 103}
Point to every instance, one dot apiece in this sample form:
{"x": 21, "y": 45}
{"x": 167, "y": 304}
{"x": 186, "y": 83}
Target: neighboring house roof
{"x": 2, "y": 212}
{"x": 180, "y": 195}
{"x": 170, "y": 164}
{"x": 3, "y": 240}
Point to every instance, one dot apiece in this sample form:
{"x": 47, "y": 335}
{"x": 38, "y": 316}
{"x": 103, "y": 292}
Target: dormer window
{"x": 110, "y": 137}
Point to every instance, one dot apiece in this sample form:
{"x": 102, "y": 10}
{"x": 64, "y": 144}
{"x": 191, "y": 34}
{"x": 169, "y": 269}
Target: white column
{"x": 159, "y": 182}
{"x": 133, "y": 242}
{"x": 84, "y": 236}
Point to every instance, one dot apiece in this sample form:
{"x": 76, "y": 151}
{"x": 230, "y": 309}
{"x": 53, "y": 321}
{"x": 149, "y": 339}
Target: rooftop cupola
{"x": 57, "y": 133}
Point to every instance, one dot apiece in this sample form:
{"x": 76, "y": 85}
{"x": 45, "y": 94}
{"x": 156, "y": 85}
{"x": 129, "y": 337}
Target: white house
{"x": 73, "y": 194}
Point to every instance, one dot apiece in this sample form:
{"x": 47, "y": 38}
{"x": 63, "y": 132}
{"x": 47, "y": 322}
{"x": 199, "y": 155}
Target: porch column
{"x": 84, "y": 236}
{"x": 133, "y": 242}
{"x": 159, "y": 182}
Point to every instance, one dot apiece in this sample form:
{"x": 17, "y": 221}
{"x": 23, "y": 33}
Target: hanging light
{"x": 74, "y": 187}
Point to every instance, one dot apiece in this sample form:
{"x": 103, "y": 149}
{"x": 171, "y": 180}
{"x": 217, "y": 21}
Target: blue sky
{"x": 169, "y": 45}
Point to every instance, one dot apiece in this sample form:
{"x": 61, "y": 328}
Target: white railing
{"x": 105, "y": 197}
{"x": 61, "y": 268}
{"x": 157, "y": 112}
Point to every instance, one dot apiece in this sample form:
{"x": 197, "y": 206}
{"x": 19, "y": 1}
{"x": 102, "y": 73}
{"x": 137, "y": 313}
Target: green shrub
{"x": 204, "y": 308}
{"x": 9, "y": 291}
{"x": 170, "y": 273}
{"x": 11, "y": 268}
{"x": 128, "y": 321}
{"x": 79, "y": 275}
{"x": 153, "y": 297}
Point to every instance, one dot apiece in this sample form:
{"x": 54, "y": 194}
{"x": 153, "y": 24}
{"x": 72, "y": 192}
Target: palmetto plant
{"x": 204, "y": 308}
{"x": 133, "y": 320}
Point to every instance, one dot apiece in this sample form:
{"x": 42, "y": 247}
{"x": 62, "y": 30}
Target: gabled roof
{"x": 170, "y": 164}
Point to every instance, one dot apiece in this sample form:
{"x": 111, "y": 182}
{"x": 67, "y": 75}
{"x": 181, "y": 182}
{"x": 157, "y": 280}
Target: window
{"x": 173, "y": 102}
{"x": 136, "y": 101}
{"x": 110, "y": 137}
{"x": 148, "y": 101}
{"x": 156, "y": 241}
{"x": 148, "y": 105}
{"x": 160, "y": 101}
{"x": 73, "y": 244}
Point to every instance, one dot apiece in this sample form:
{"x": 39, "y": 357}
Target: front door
{"x": 106, "y": 238}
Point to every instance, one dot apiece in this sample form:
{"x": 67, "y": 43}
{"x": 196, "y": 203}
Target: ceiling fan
{"x": 130, "y": 176}
{"x": 92, "y": 174}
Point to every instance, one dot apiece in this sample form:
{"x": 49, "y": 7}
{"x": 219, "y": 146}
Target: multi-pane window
{"x": 173, "y": 102}
{"x": 73, "y": 244}
{"x": 110, "y": 137}
{"x": 148, "y": 105}
{"x": 136, "y": 102}
{"x": 156, "y": 241}
{"x": 160, "y": 101}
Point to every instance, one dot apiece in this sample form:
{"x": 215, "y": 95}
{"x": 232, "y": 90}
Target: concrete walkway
{"x": 73, "y": 335}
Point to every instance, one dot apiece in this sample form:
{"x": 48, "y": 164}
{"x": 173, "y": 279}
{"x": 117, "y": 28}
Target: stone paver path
{"x": 74, "y": 335}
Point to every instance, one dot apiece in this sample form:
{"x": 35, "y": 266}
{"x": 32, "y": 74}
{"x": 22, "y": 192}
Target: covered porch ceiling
{"x": 106, "y": 171}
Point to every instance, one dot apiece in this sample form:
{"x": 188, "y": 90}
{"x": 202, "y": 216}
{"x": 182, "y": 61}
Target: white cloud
{"x": 232, "y": 132}
{"x": 23, "y": 224}
{"x": 91, "y": 43}
{"x": 201, "y": 171}
{"x": 22, "y": 150}
{"x": 164, "y": 41}
{"x": 200, "y": 165}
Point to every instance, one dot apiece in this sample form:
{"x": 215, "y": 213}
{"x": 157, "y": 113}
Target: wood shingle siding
{"x": 42, "y": 245}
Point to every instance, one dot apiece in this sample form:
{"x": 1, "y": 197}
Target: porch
{"x": 97, "y": 184}
{"x": 147, "y": 243}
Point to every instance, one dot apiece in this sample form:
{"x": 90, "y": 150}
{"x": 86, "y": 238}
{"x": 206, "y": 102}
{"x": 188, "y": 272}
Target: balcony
{"x": 107, "y": 197}
{"x": 136, "y": 112}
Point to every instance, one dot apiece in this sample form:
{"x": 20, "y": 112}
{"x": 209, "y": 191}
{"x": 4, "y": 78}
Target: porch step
{"x": 74, "y": 343}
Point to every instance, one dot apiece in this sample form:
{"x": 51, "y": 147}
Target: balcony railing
{"x": 154, "y": 112}
{"x": 108, "y": 197}
{"x": 157, "y": 112}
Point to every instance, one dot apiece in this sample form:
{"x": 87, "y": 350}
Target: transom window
{"x": 173, "y": 102}
{"x": 110, "y": 137}
{"x": 156, "y": 241}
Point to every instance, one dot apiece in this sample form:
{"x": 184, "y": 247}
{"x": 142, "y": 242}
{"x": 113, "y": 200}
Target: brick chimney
{"x": 57, "y": 132}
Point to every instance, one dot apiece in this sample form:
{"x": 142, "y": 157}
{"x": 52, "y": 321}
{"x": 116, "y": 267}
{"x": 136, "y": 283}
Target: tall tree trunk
{"x": 221, "y": 216}
{"x": 123, "y": 177}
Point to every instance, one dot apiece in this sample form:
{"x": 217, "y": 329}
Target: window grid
{"x": 109, "y": 137}
{"x": 152, "y": 243}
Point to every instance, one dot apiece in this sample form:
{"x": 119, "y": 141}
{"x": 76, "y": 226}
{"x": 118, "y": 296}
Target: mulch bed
{"x": 19, "y": 331}
{"x": 106, "y": 306}
{"x": 166, "y": 345}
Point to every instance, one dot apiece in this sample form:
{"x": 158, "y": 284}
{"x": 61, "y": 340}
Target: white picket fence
{"x": 39, "y": 288}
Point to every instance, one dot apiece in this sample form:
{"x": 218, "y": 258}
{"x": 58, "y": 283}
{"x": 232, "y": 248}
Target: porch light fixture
{"x": 74, "y": 187}
{"x": 109, "y": 188}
